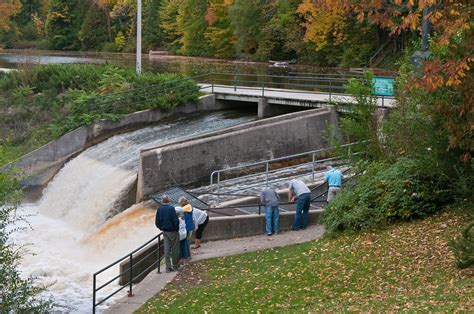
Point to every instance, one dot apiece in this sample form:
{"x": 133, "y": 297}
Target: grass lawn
{"x": 407, "y": 267}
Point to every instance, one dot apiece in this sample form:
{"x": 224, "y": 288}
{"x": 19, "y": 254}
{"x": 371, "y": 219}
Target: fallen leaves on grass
{"x": 408, "y": 267}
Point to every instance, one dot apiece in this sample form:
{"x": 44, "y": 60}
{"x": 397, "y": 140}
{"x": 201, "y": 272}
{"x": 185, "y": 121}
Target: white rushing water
{"x": 71, "y": 236}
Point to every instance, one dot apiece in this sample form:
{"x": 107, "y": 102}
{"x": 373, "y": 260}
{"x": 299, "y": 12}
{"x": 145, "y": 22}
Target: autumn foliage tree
{"x": 8, "y": 8}
{"x": 449, "y": 67}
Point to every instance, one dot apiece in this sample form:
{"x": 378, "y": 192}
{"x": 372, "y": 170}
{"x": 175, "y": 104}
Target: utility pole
{"x": 426, "y": 29}
{"x": 420, "y": 56}
{"x": 139, "y": 37}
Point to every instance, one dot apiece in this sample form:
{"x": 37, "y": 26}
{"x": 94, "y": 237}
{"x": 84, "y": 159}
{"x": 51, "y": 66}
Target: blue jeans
{"x": 302, "y": 207}
{"x": 272, "y": 219}
{"x": 184, "y": 249}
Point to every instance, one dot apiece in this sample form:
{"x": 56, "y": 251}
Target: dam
{"x": 73, "y": 233}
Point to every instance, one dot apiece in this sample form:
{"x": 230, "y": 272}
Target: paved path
{"x": 154, "y": 282}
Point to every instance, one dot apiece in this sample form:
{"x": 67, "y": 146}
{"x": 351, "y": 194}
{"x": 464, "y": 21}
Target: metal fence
{"x": 265, "y": 164}
{"x": 130, "y": 272}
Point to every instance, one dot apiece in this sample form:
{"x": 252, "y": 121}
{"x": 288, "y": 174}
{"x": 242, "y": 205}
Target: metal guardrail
{"x": 314, "y": 199}
{"x": 266, "y": 164}
{"x": 130, "y": 270}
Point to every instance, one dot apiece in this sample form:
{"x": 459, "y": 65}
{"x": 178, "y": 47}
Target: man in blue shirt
{"x": 334, "y": 179}
{"x": 167, "y": 221}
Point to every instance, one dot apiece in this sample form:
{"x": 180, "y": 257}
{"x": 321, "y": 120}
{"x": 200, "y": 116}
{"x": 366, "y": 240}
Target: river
{"x": 185, "y": 65}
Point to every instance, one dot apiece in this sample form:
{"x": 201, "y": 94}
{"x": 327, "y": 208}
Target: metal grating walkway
{"x": 175, "y": 193}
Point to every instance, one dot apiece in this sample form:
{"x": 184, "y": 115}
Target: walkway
{"x": 154, "y": 282}
{"x": 280, "y": 96}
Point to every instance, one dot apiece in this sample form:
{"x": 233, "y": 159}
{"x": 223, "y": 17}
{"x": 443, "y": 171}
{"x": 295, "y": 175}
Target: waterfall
{"x": 72, "y": 234}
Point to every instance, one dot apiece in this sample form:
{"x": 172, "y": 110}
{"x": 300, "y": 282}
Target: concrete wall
{"x": 186, "y": 162}
{"x": 42, "y": 164}
{"x": 221, "y": 228}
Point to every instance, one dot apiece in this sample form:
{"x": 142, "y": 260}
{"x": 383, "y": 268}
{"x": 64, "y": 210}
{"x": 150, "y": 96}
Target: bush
{"x": 41, "y": 103}
{"x": 463, "y": 247}
{"x": 384, "y": 193}
{"x": 17, "y": 295}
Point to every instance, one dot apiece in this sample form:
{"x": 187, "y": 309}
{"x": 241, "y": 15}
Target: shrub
{"x": 17, "y": 295}
{"x": 41, "y": 103}
{"x": 384, "y": 193}
{"x": 463, "y": 247}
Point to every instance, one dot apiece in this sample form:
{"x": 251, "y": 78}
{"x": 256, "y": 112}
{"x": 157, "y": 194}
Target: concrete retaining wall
{"x": 186, "y": 162}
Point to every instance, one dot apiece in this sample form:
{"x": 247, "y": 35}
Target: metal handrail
{"x": 132, "y": 276}
{"x": 265, "y": 162}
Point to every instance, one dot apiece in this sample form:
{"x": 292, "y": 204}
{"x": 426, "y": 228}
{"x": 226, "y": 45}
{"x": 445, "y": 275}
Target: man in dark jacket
{"x": 167, "y": 221}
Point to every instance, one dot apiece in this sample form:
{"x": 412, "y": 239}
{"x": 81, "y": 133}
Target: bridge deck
{"x": 284, "y": 96}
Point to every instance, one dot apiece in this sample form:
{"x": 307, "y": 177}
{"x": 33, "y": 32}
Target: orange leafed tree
{"x": 451, "y": 29}
{"x": 8, "y": 8}
{"x": 324, "y": 21}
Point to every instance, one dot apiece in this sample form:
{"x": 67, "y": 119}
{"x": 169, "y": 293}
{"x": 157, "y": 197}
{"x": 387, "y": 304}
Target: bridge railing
{"x": 330, "y": 85}
{"x": 298, "y": 83}
{"x": 184, "y": 89}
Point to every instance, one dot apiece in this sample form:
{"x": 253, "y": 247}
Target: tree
{"x": 8, "y": 8}
{"x": 152, "y": 33}
{"x": 449, "y": 69}
{"x": 106, "y": 6}
{"x": 219, "y": 34}
{"x": 94, "y": 29}
{"x": 282, "y": 32}
{"x": 247, "y": 19}
{"x": 63, "y": 24}
{"x": 169, "y": 24}
{"x": 192, "y": 25}
{"x": 325, "y": 22}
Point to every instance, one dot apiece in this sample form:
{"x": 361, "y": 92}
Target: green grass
{"x": 407, "y": 267}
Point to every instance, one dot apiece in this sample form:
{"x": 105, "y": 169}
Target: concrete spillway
{"x": 71, "y": 235}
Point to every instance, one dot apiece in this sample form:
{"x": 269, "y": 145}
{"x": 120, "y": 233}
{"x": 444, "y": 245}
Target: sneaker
{"x": 170, "y": 270}
{"x": 177, "y": 268}
{"x": 269, "y": 234}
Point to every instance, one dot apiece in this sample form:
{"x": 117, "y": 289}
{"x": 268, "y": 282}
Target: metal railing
{"x": 266, "y": 165}
{"x": 303, "y": 83}
{"x": 129, "y": 271}
{"x": 330, "y": 85}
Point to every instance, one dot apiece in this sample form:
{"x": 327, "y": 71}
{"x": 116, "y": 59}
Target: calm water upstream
{"x": 188, "y": 66}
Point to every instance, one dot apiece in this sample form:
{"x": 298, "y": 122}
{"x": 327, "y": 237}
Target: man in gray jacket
{"x": 270, "y": 199}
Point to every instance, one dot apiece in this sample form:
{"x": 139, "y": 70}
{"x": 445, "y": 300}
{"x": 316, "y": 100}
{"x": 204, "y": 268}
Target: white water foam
{"x": 71, "y": 237}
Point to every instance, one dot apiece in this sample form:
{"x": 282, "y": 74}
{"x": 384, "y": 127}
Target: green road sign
{"x": 382, "y": 86}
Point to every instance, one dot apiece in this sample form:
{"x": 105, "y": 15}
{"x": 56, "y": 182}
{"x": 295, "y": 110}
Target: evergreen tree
{"x": 277, "y": 33}
{"x": 64, "y": 22}
{"x": 93, "y": 33}
{"x": 247, "y": 19}
{"x": 192, "y": 25}
{"x": 219, "y": 33}
{"x": 152, "y": 33}
{"x": 169, "y": 24}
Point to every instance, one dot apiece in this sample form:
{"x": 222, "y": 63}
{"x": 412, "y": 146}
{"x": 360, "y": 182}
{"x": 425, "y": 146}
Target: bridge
{"x": 294, "y": 89}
